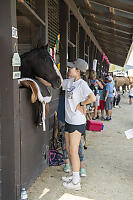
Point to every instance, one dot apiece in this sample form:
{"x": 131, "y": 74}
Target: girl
{"x": 77, "y": 95}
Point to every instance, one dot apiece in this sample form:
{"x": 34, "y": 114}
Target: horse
{"x": 38, "y": 63}
{"x": 121, "y": 81}
{"x": 37, "y": 68}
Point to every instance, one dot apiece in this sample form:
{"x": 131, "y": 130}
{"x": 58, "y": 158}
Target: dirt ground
{"x": 108, "y": 162}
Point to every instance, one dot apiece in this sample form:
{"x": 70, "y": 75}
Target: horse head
{"x": 39, "y": 63}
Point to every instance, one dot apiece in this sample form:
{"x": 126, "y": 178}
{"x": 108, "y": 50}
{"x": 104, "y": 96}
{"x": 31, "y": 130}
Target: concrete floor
{"x": 108, "y": 162}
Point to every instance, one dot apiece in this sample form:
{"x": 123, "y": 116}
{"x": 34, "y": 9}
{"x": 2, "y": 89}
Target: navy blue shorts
{"x": 70, "y": 128}
{"x": 130, "y": 96}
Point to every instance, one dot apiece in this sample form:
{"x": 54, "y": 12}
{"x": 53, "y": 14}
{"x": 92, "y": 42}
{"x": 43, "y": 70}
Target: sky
{"x": 130, "y": 60}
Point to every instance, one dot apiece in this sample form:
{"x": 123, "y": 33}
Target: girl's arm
{"x": 100, "y": 84}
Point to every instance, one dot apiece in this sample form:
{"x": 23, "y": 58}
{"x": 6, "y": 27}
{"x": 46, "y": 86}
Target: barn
{"x": 85, "y": 29}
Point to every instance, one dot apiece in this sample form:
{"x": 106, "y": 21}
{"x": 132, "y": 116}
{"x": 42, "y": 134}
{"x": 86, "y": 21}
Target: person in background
{"x": 131, "y": 94}
{"x": 77, "y": 96}
{"x": 95, "y": 85}
{"x": 102, "y": 94}
{"x": 109, "y": 97}
{"x": 116, "y": 99}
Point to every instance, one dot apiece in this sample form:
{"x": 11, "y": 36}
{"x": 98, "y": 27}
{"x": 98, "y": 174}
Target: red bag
{"x": 93, "y": 125}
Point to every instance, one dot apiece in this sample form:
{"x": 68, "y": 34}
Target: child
{"x": 117, "y": 99}
{"x": 131, "y": 94}
{"x": 95, "y": 85}
{"x": 101, "y": 104}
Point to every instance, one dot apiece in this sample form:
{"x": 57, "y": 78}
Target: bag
{"x": 93, "y": 125}
{"x": 55, "y": 158}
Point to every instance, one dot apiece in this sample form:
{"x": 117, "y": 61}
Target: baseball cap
{"x": 80, "y": 64}
{"x": 70, "y": 64}
{"x": 109, "y": 78}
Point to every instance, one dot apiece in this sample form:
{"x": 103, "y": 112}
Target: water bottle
{"x": 24, "y": 195}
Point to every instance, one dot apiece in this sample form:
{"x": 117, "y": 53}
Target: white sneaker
{"x": 72, "y": 186}
{"x": 67, "y": 178}
{"x": 116, "y": 106}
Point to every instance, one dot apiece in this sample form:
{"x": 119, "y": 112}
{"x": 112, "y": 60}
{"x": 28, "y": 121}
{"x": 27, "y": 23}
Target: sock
{"x": 76, "y": 178}
{"x": 67, "y": 165}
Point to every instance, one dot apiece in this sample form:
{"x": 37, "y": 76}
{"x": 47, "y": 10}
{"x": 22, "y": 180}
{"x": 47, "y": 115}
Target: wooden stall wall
{"x": 81, "y": 42}
{"x": 63, "y": 29}
{"x": 53, "y": 32}
{"x": 34, "y": 142}
{"x": 8, "y": 105}
{"x": 72, "y": 31}
{"x": 0, "y": 167}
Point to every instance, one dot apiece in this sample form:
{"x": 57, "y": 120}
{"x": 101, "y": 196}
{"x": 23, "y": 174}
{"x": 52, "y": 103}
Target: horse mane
{"x": 33, "y": 51}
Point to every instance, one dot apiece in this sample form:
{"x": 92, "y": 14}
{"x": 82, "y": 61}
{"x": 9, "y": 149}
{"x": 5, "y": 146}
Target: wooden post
{"x": 9, "y": 109}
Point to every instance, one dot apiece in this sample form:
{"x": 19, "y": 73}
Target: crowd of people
{"x": 76, "y": 94}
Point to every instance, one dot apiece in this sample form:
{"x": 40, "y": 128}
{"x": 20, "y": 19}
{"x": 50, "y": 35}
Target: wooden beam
{"x": 115, "y": 44}
{"x": 26, "y": 10}
{"x": 112, "y": 37}
{"x": 97, "y": 12}
{"x": 109, "y": 30}
{"x": 81, "y": 20}
{"x": 109, "y": 24}
{"x": 114, "y": 40}
{"x": 115, "y": 51}
{"x": 125, "y": 7}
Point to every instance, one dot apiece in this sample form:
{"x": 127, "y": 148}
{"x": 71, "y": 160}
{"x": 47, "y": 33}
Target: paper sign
{"x": 14, "y": 32}
{"x": 94, "y": 65}
{"x": 129, "y": 133}
{"x": 16, "y": 62}
{"x": 16, "y": 75}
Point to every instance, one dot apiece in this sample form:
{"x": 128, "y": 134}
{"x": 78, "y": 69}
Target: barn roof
{"x": 111, "y": 22}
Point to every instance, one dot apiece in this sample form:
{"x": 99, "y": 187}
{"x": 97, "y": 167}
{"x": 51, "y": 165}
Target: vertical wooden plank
{"x": 9, "y": 106}
{"x": 63, "y": 17}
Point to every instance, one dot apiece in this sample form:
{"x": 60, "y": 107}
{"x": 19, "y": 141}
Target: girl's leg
{"x": 67, "y": 142}
{"x": 65, "y": 155}
{"x": 130, "y": 100}
{"x": 75, "y": 138}
{"x": 95, "y": 112}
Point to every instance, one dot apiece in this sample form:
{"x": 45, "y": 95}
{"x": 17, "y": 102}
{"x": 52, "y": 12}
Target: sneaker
{"x": 72, "y": 186}
{"x": 82, "y": 172}
{"x": 108, "y": 118}
{"x": 116, "y": 106}
{"x": 102, "y": 118}
{"x": 67, "y": 179}
{"x": 93, "y": 118}
{"x": 67, "y": 168}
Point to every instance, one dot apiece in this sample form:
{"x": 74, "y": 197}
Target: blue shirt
{"x": 61, "y": 108}
{"x": 110, "y": 87}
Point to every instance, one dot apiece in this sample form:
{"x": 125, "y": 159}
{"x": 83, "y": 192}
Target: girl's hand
{"x": 82, "y": 109}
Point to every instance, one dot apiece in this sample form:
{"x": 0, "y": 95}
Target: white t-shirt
{"x": 75, "y": 92}
{"x": 131, "y": 92}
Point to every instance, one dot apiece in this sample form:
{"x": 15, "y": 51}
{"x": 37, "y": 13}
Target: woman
{"x": 77, "y": 96}
{"x": 94, "y": 83}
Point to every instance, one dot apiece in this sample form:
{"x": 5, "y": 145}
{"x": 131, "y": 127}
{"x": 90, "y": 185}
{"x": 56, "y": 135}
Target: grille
{"x": 53, "y": 21}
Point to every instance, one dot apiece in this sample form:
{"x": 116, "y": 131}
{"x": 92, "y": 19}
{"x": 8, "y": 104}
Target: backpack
{"x": 55, "y": 158}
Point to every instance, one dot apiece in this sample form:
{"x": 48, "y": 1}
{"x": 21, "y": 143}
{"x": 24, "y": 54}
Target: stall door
{"x": 34, "y": 142}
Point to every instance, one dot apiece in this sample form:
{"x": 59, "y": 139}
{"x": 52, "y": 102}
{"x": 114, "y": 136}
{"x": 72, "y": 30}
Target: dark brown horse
{"x": 39, "y": 63}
